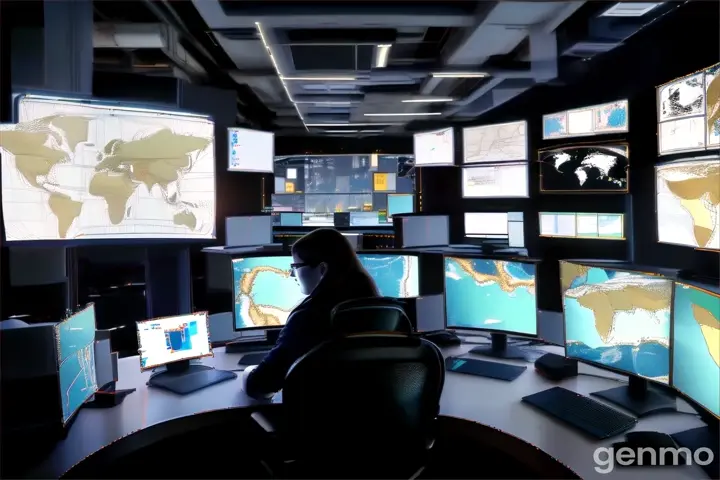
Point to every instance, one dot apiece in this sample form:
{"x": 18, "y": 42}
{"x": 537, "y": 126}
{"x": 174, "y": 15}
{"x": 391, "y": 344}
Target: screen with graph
{"x": 85, "y": 171}
{"x": 584, "y": 169}
{"x": 504, "y": 142}
{"x": 585, "y": 121}
{"x": 601, "y": 226}
{"x": 172, "y": 339}
{"x": 689, "y": 113}
{"x": 496, "y": 181}
{"x": 688, "y": 203}
{"x": 436, "y": 148}
{"x": 250, "y": 150}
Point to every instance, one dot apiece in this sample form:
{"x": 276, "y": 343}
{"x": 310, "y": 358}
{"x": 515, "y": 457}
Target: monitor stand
{"x": 638, "y": 398}
{"x": 499, "y": 348}
{"x": 181, "y": 377}
{"x": 705, "y": 438}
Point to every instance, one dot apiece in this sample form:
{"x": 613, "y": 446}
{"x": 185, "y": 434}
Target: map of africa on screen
{"x": 696, "y": 345}
{"x": 688, "y": 203}
{"x": 619, "y": 319}
{"x": 75, "y": 171}
{"x": 490, "y": 294}
{"x": 584, "y": 168}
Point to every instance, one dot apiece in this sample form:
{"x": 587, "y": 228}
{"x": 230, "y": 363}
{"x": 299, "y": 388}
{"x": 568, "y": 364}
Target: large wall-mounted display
{"x": 586, "y": 121}
{"x": 76, "y": 170}
{"x": 496, "y": 181}
{"x": 688, "y": 203}
{"x": 250, "y": 150}
{"x": 602, "y": 226}
{"x": 584, "y": 169}
{"x": 435, "y": 149}
{"x": 504, "y": 142}
{"x": 689, "y": 113}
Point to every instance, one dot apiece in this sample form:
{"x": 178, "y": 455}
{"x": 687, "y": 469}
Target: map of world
{"x": 591, "y": 168}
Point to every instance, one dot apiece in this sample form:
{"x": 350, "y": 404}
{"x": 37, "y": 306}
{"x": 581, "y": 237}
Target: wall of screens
{"x": 587, "y": 121}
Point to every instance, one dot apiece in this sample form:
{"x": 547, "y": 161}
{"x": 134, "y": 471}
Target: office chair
{"x": 360, "y": 405}
{"x": 374, "y": 314}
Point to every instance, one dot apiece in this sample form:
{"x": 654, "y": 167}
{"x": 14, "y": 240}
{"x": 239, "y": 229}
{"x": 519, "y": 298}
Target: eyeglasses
{"x": 295, "y": 266}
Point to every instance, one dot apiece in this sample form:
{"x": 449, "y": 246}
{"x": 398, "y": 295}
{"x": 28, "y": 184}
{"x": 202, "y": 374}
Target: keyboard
{"x": 483, "y": 368}
{"x": 193, "y": 381}
{"x": 583, "y": 413}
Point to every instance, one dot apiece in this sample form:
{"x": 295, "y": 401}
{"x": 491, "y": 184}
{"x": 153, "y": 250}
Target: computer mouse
{"x": 649, "y": 440}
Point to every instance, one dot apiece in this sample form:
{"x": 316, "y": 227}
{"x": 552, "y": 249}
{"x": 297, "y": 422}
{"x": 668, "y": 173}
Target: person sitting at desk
{"x": 328, "y": 272}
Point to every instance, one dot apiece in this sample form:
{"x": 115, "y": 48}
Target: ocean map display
{"x": 75, "y": 339}
{"x": 618, "y": 318}
{"x": 595, "y": 120}
{"x": 688, "y": 203}
{"x": 696, "y": 345}
{"x": 586, "y": 168}
{"x": 265, "y": 293}
{"x": 74, "y": 170}
{"x": 490, "y": 294}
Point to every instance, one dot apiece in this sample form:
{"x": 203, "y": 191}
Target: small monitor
{"x": 75, "y": 340}
{"x": 696, "y": 345}
{"x": 507, "y": 180}
{"x": 384, "y": 182}
{"x": 486, "y": 224}
{"x": 364, "y": 219}
{"x": 248, "y": 231}
{"x": 492, "y": 295}
{"x": 504, "y": 142}
{"x": 264, "y": 292}
{"x": 291, "y": 219}
{"x": 434, "y": 149}
{"x": 394, "y": 275}
{"x": 162, "y": 341}
{"x": 400, "y": 203}
{"x": 251, "y": 150}
{"x": 425, "y": 231}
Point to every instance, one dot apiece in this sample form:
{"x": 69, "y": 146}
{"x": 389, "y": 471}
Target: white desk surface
{"x": 490, "y": 402}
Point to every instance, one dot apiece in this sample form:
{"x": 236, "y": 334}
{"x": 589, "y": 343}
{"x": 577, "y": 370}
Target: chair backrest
{"x": 374, "y": 314}
{"x": 376, "y": 393}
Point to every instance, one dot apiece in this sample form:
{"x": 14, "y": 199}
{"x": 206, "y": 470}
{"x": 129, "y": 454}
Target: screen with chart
{"x": 397, "y": 204}
{"x": 603, "y": 226}
{"x": 688, "y": 203}
{"x": 84, "y": 171}
{"x": 580, "y": 122}
{"x": 689, "y": 113}
{"x": 425, "y": 231}
{"x": 491, "y": 295}
{"x": 251, "y": 150}
{"x": 395, "y": 275}
{"x": 436, "y": 148}
{"x": 75, "y": 340}
{"x": 497, "y": 181}
{"x": 584, "y": 169}
{"x": 618, "y": 319}
{"x": 505, "y": 142}
{"x": 173, "y": 339}
{"x": 696, "y": 345}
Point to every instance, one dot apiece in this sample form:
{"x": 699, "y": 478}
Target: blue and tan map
{"x": 490, "y": 294}
{"x": 696, "y": 345}
{"x": 395, "y": 275}
{"x": 618, "y": 318}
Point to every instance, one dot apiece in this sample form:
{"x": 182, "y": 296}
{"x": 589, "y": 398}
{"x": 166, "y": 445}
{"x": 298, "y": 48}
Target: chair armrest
{"x": 264, "y": 422}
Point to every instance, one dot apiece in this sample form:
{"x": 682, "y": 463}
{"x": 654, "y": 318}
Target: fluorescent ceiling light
{"x": 382, "y": 53}
{"x": 428, "y": 100}
{"x": 322, "y": 125}
{"x": 459, "y": 74}
{"x": 354, "y": 131}
{"x": 320, "y": 79}
{"x": 629, "y": 9}
{"x": 326, "y": 103}
{"x": 416, "y": 114}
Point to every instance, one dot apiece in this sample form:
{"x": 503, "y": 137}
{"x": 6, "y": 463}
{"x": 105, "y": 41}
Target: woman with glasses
{"x": 328, "y": 272}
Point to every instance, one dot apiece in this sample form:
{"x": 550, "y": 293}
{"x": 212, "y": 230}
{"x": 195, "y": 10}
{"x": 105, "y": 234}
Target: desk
{"x": 489, "y": 402}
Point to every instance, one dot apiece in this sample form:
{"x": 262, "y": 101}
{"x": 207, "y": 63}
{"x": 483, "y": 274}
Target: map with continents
{"x": 611, "y": 116}
{"x": 696, "y": 345}
{"x": 84, "y": 171}
{"x": 688, "y": 203}
{"x": 585, "y": 168}
{"x": 619, "y": 319}
{"x": 490, "y": 294}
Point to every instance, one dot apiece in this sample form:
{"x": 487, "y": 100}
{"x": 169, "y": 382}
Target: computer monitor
{"x": 75, "y": 340}
{"x": 425, "y": 231}
{"x": 291, "y": 219}
{"x": 620, "y": 320}
{"x": 696, "y": 345}
{"x": 248, "y": 230}
{"x": 395, "y": 275}
{"x": 497, "y": 296}
{"x": 400, "y": 203}
{"x": 162, "y": 341}
{"x": 264, "y": 292}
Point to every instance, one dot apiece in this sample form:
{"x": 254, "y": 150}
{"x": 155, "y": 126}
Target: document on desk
{"x": 483, "y": 368}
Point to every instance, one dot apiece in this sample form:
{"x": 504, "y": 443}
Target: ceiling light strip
{"x": 321, "y": 79}
{"x": 428, "y": 100}
{"x": 279, "y": 73}
{"x": 459, "y": 74}
{"x": 415, "y": 114}
{"x": 382, "y": 55}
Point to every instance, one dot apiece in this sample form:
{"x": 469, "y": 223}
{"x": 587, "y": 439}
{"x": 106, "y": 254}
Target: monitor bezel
{"x": 251, "y": 170}
{"x": 149, "y": 107}
{"x": 606, "y": 367}
{"x": 532, "y": 261}
{"x": 452, "y": 162}
{"x": 160, "y": 319}
{"x": 542, "y": 164}
{"x": 680, "y": 392}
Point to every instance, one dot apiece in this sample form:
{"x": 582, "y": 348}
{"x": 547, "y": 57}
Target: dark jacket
{"x": 307, "y": 326}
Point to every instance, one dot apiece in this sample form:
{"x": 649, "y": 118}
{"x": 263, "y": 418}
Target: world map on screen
{"x": 87, "y": 171}
{"x": 585, "y": 168}
{"x": 688, "y": 203}
{"x": 619, "y": 319}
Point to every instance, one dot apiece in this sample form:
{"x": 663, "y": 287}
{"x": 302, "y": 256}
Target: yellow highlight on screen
{"x": 289, "y": 187}
{"x": 380, "y": 181}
